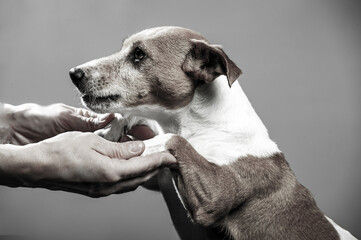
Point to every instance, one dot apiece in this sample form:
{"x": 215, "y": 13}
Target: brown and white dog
{"x": 232, "y": 177}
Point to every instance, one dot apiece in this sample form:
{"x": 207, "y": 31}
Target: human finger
{"x": 123, "y": 150}
{"x": 90, "y": 124}
{"x": 98, "y": 190}
{"x": 143, "y": 164}
{"x": 98, "y": 122}
{"x": 85, "y": 113}
{"x": 129, "y": 184}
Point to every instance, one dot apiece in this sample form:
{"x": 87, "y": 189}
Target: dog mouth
{"x": 89, "y": 99}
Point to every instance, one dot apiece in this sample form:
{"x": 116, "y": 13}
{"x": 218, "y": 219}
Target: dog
{"x": 232, "y": 179}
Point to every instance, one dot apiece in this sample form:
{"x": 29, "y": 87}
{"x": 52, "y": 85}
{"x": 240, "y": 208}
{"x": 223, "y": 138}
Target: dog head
{"x": 155, "y": 67}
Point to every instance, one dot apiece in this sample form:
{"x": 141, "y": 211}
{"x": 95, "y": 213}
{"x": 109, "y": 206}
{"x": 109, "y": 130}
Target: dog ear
{"x": 205, "y": 62}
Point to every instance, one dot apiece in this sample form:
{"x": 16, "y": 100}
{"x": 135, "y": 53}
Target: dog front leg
{"x": 183, "y": 224}
{"x": 208, "y": 191}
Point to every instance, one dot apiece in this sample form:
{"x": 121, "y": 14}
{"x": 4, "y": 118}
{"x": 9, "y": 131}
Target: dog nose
{"x": 76, "y": 75}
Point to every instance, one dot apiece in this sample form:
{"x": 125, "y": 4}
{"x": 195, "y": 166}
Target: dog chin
{"x": 101, "y": 104}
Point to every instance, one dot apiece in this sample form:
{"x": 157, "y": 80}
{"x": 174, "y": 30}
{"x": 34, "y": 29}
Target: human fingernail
{"x": 136, "y": 147}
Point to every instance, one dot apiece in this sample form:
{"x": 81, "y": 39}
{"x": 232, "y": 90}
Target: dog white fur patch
{"x": 157, "y": 144}
{"x": 114, "y": 130}
{"x": 344, "y": 234}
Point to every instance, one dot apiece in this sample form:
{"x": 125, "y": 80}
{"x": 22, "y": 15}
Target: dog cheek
{"x": 170, "y": 93}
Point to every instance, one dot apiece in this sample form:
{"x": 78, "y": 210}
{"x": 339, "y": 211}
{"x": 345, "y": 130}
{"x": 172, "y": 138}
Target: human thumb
{"x": 124, "y": 150}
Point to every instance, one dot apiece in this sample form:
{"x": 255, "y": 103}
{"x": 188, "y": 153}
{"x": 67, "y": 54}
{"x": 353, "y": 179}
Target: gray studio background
{"x": 302, "y": 72}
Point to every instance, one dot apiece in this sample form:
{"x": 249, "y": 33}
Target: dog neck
{"x": 220, "y": 123}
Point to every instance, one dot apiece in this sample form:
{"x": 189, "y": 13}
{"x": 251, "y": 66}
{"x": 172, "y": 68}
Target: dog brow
{"x": 124, "y": 39}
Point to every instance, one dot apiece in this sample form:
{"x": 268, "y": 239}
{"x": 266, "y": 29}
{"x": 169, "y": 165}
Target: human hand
{"x": 142, "y": 132}
{"x": 32, "y": 123}
{"x": 87, "y": 164}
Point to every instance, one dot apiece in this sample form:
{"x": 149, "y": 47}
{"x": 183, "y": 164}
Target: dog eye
{"x": 138, "y": 54}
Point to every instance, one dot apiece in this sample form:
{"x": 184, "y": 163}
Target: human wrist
{"x": 20, "y": 165}
{"x": 9, "y": 163}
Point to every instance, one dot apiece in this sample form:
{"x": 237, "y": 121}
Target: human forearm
{"x": 13, "y": 166}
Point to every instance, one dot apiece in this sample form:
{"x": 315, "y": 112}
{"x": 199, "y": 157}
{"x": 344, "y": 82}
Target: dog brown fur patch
{"x": 253, "y": 198}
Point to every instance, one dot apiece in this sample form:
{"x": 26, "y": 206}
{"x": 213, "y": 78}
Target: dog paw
{"x": 157, "y": 144}
{"x": 114, "y": 131}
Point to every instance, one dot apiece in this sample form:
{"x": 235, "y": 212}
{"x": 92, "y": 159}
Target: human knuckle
{"x": 63, "y": 114}
{"x": 59, "y": 105}
{"x": 91, "y": 122}
{"x": 121, "y": 150}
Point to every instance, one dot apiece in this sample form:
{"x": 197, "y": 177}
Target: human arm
{"x": 30, "y": 123}
{"x": 77, "y": 162}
